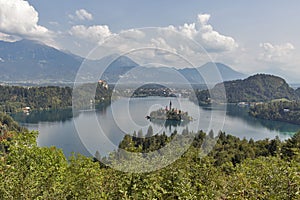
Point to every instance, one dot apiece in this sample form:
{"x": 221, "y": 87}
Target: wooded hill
{"x": 257, "y": 88}
{"x": 286, "y": 111}
{"x": 15, "y": 98}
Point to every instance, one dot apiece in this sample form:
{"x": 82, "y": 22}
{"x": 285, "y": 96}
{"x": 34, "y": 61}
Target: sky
{"x": 250, "y": 36}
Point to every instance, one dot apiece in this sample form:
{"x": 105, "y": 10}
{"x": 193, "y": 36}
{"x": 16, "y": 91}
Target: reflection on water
{"x": 126, "y": 116}
{"x": 44, "y": 116}
{"x": 242, "y": 113}
{"x": 169, "y": 124}
{"x": 62, "y": 115}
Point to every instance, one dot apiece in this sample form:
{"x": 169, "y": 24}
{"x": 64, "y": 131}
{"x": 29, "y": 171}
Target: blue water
{"x": 101, "y": 130}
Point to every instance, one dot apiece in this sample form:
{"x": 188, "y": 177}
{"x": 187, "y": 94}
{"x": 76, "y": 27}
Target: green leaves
{"x": 31, "y": 172}
{"x": 265, "y": 178}
{"x": 235, "y": 169}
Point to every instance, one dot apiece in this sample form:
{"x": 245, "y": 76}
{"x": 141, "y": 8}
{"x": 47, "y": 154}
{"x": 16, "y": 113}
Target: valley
{"x": 149, "y": 100}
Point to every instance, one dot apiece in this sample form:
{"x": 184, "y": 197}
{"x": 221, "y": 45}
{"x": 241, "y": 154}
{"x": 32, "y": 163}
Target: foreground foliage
{"x": 235, "y": 169}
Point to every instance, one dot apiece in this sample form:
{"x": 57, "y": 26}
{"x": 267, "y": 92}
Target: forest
{"x": 256, "y": 88}
{"x": 14, "y": 98}
{"x": 234, "y": 169}
{"x": 286, "y": 111}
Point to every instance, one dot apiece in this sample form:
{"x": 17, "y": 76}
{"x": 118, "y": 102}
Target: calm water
{"x": 103, "y": 129}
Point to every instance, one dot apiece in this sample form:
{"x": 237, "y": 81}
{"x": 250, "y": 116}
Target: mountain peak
{"x": 208, "y": 72}
{"x": 27, "y": 42}
{"x": 29, "y": 60}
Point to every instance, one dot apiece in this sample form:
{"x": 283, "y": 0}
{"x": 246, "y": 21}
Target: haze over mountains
{"x": 30, "y": 61}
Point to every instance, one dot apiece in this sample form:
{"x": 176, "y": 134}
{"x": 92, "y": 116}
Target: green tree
{"x": 149, "y": 132}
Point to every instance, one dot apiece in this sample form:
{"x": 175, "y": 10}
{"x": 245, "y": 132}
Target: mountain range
{"x": 27, "y": 60}
{"x": 30, "y": 61}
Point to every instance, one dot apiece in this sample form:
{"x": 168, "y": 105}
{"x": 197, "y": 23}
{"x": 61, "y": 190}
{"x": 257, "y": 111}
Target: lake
{"x": 102, "y": 129}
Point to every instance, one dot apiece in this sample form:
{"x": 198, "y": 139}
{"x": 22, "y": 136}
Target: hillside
{"x": 257, "y": 88}
{"x": 134, "y": 73}
{"x": 286, "y": 111}
{"x": 153, "y": 90}
{"x": 208, "y": 72}
{"x": 32, "y": 62}
{"x": 14, "y": 98}
{"x": 297, "y": 91}
{"x": 28, "y": 61}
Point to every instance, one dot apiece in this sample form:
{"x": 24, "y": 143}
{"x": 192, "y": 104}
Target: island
{"x": 172, "y": 114}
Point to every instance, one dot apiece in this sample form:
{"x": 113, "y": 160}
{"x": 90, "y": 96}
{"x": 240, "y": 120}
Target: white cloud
{"x": 162, "y": 44}
{"x": 204, "y": 33}
{"x": 97, "y": 33}
{"x": 84, "y": 15}
{"x": 276, "y": 53}
{"x": 19, "y": 18}
{"x": 175, "y": 39}
{"x": 8, "y": 38}
{"x": 188, "y": 30}
{"x": 132, "y": 34}
{"x": 81, "y": 14}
